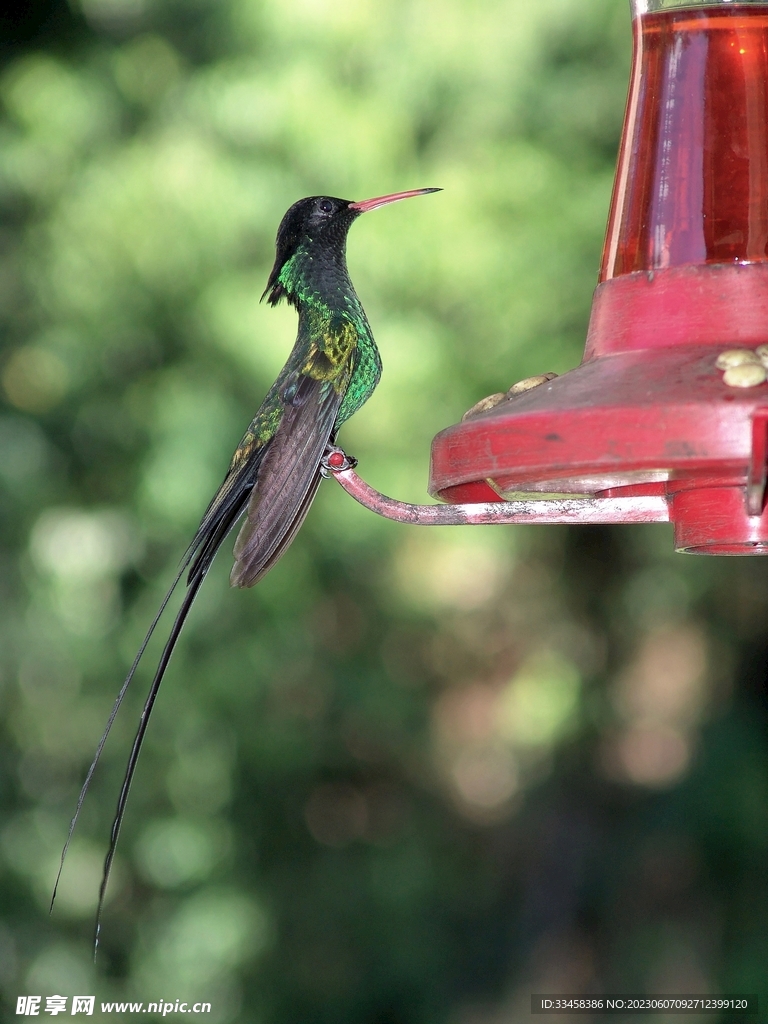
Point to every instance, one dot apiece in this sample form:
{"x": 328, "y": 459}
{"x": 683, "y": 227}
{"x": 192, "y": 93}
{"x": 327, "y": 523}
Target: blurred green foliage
{"x": 413, "y": 776}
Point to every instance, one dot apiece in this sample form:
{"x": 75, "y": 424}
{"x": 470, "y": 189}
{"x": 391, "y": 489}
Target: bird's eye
{"x": 326, "y": 206}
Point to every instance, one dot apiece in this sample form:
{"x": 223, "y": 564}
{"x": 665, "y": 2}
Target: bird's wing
{"x": 228, "y": 504}
{"x": 289, "y": 473}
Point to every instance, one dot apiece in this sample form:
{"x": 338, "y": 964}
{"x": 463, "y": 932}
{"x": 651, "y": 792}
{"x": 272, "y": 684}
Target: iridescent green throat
{"x": 317, "y": 283}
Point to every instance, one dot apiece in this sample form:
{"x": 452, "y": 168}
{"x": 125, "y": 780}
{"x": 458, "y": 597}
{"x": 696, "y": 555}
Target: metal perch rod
{"x": 593, "y": 511}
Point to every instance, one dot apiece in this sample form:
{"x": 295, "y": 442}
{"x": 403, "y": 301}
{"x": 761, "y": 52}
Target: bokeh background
{"x": 414, "y": 775}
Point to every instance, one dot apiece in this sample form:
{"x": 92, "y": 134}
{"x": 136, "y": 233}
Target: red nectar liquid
{"x": 692, "y": 179}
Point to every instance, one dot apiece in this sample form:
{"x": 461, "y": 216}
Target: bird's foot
{"x": 335, "y": 460}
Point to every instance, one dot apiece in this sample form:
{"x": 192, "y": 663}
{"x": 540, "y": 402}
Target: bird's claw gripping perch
{"x": 335, "y": 460}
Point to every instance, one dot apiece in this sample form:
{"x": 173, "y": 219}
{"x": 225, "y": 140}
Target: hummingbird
{"x": 274, "y": 474}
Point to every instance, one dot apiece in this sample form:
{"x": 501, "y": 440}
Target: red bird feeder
{"x": 666, "y": 418}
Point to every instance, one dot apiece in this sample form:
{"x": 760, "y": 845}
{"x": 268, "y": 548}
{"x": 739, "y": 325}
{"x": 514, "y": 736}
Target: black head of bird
{"x": 313, "y": 233}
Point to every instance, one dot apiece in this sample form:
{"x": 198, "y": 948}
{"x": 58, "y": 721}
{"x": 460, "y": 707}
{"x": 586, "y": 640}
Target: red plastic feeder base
{"x": 647, "y": 413}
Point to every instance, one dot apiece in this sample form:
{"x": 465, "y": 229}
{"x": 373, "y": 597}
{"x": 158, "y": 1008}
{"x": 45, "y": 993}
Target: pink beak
{"x": 371, "y": 204}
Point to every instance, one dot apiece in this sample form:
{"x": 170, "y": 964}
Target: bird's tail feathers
{"x": 220, "y": 517}
{"x": 178, "y": 625}
{"x": 110, "y": 723}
